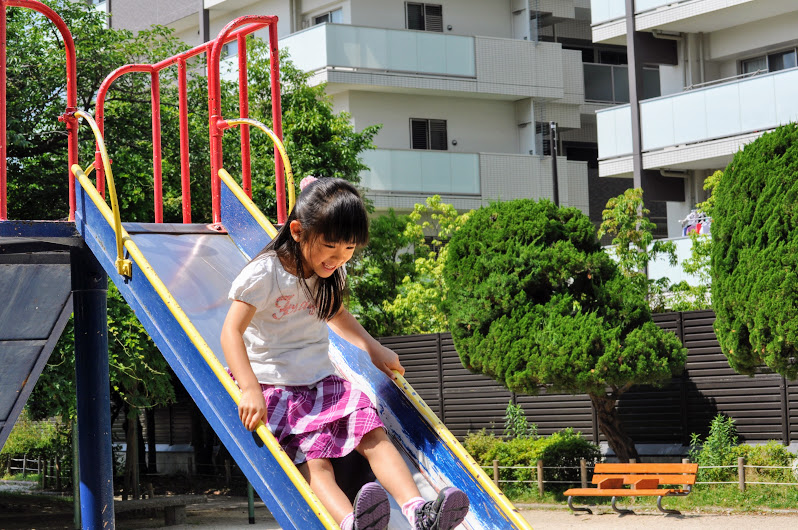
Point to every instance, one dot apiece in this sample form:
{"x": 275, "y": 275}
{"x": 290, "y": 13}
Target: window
{"x": 543, "y": 138}
{"x": 334, "y": 17}
{"x": 424, "y": 17}
{"x": 428, "y": 134}
{"x": 770, "y": 63}
{"x": 230, "y": 49}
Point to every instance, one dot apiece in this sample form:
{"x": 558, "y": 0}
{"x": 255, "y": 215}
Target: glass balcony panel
{"x": 465, "y": 174}
{"x": 786, "y": 102}
{"x": 308, "y": 49}
{"x": 657, "y": 123}
{"x": 403, "y": 50}
{"x": 723, "y": 114}
{"x": 598, "y": 82}
{"x": 431, "y": 52}
{"x": 406, "y": 170}
{"x": 621, "y": 76}
{"x": 689, "y": 118}
{"x": 421, "y": 171}
{"x": 614, "y": 128}
{"x": 757, "y": 109}
{"x": 606, "y": 10}
{"x": 380, "y": 49}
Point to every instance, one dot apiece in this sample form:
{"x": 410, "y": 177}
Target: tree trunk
{"x": 152, "y": 463}
{"x": 132, "y": 457}
{"x": 611, "y": 427}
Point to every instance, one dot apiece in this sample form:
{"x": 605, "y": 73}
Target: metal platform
{"x": 35, "y": 305}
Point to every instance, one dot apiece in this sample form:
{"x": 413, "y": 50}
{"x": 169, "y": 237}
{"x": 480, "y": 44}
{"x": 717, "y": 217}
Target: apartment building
{"x": 465, "y": 90}
{"x": 727, "y": 74}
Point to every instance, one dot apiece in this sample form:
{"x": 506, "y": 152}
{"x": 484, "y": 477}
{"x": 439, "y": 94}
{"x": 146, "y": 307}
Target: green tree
{"x": 755, "y": 255}
{"x": 534, "y": 301}
{"x": 634, "y": 247}
{"x": 687, "y": 297}
{"x": 417, "y": 307}
{"x": 377, "y": 272}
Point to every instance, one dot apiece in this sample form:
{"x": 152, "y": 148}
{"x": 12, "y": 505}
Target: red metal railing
{"x": 236, "y": 30}
{"x": 71, "y": 94}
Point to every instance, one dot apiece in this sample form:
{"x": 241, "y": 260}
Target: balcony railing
{"x": 607, "y": 83}
{"x": 355, "y": 47}
{"x": 731, "y": 109}
{"x": 416, "y": 171}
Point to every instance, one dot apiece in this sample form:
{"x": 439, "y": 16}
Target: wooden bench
{"x": 174, "y": 506}
{"x": 637, "y": 480}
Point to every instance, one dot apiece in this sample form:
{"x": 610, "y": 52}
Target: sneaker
{"x": 372, "y": 510}
{"x": 444, "y": 513}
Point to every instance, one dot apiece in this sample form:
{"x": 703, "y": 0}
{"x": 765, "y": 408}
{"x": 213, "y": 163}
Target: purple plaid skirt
{"x": 327, "y": 420}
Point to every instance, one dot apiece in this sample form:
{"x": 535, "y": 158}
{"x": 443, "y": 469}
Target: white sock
{"x": 349, "y": 522}
{"x": 409, "y": 509}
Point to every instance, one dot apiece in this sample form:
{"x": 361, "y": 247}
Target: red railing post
{"x": 157, "y": 167}
{"x": 185, "y": 175}
{"x": 243, "y": 103}
{"x": 4, "y": 138}
{"x": 277, "y": 121}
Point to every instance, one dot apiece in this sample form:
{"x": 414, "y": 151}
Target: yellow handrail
{"x": 289, "y": 174}
{"x": 123, "y": 266}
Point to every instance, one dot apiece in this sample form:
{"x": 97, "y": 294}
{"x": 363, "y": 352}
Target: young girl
{"x": 275, "y": 340}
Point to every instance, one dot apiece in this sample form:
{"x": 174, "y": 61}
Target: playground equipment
{"x": 176, "y": 278}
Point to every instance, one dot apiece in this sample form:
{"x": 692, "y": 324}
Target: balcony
{"x": 401, "y": 178}
{"x": 346, "y": 55}
{"x": 426, "y": 172}
{"x": 607, "y": 83}
{"x": 688, "y": 16}
{"x": 726, "y": 111}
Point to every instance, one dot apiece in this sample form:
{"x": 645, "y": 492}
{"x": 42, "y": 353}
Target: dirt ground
{"x": 223, "y": 512}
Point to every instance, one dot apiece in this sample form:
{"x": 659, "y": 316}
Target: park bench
{"x": 173, "y": 506}
{"x": 637, "y": 480}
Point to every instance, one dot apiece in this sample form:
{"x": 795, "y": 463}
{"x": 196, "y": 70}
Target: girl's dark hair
{"x": 330, "y": 209}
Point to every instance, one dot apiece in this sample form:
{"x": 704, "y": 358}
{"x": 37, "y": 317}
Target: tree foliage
{"x": 377, "y": 272}
{"x": 418, "y": 306}
{"x": 692, "y": 297}
{"x": 534, "y": 301}
{"x": 634, "y": 247}
{"x": 755, "y": 255}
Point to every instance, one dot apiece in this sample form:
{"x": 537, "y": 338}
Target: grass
{"x": 755, "y": 498}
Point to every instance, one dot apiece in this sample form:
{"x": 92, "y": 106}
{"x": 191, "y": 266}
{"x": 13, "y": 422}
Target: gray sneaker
{"x": 372, "y": 510}
{"x": 444, "y": 513}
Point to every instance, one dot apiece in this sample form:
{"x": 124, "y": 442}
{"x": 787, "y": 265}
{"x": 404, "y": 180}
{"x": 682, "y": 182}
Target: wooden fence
{"x": 764, "y": 407}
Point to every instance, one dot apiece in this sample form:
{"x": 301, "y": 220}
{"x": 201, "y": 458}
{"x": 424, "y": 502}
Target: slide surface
{"x": 178, "y": 287}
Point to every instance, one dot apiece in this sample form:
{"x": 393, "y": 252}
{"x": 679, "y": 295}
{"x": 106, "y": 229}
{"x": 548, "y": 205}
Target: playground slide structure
{"x": 176, "y": 278}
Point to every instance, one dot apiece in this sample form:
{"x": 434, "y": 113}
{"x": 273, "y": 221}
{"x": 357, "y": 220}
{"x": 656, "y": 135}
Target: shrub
{"x": 717, "y": 450}
{"x": 753, "y": 258}
{"x": 516, "y": 424}
{"x": 772, "y": 453}
{"x": 562, "y": 449}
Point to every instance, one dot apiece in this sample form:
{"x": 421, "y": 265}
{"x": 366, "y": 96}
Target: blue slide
{"x": 177, "y": 283}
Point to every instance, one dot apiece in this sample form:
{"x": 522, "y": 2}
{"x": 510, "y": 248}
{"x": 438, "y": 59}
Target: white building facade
{"x": 734, "y": 77}
{"x": 464, "y": 89}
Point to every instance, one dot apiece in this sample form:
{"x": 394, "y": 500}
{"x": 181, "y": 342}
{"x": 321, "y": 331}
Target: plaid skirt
{"x": 327, "y": 420}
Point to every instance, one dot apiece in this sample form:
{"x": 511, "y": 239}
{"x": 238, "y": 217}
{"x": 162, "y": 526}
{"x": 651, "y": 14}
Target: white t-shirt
{"x": 286, "y": 343}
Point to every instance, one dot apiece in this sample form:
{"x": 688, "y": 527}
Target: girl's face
{"x": 319, "y": 256}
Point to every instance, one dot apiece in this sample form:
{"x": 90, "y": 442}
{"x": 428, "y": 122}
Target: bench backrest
{"x": 616, "y": 473}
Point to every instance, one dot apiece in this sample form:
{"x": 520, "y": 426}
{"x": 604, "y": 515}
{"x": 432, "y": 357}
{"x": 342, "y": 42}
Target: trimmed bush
{"x": 563, "y": 449}
{"x": 755, "y": 255}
